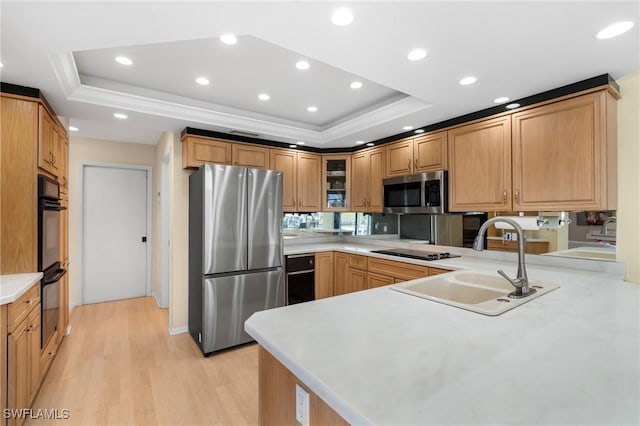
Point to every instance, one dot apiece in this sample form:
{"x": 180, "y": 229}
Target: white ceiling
{"x": 515, "y": 48}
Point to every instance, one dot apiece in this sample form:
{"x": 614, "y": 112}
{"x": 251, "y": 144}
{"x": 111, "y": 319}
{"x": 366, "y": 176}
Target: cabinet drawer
{"x": 437, "y": 271}
{"x": 18, "y": 310}
{"x": 402, "y": 270}
{"x": 48, "y": 353}
{"x": 357, "y": 261}
{"x": 532, "y": 247}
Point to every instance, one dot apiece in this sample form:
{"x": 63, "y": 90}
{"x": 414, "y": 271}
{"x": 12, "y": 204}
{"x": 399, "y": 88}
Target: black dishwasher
{"x": 300, "y": 281}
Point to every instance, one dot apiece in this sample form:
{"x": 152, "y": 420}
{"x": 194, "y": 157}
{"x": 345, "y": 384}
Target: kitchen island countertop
{"x": 382, "y": 357}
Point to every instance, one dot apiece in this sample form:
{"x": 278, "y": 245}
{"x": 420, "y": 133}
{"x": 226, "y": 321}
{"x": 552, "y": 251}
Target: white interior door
{"x": 114, "y": 222}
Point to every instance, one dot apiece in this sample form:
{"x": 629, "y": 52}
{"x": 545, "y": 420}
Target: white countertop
{"x": 14, "y": 286}
{"x": 382, "y": 357}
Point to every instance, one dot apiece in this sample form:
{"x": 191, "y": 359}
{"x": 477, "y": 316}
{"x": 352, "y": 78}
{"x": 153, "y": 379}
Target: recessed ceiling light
{"x": 513, "y": 105}
{"x": 370, "y": 144}
{"x": 468, "y": 80}
{"x": 120, "y": 115}
{"x": 312, "y": 108}
{"x": 342, "y": 17}
{"x": 228, "y": 39}
{"x": 614, "y": 30}
{"x": 417, "y": 54}
{"x": 293, "y": 146}
{"x": 73, "y": 129}
{"x": 418, "y": 131}
{"x": 359, "y": 142}
{"x": 501, "y": 99}
{"x": 356, "y": 85}
{"x": 123, "y": 60}
{"x": 302, "y": 65}
{"x": 407, "y": 128}
{"x": 300, "y": 143}
{"x": 202, "y": 81}
{"x": 264, "y": 97}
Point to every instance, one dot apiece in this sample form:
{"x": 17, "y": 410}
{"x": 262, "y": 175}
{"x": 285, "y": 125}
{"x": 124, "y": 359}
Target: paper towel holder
{"x": 553, "y": 222}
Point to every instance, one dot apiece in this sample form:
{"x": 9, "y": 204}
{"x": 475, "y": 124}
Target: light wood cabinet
{"x": 3, "y": 359}
{"x": 340, "y": 272}
{"x": 23, "y": 350}
{"x": 402, "y": 271}
{"x": 64, "y": 262}
{"x": 480, "y": 166}
{"x": 367, "y": 172}
{"x": 49, "y": 141}
{"x": 564, "y": 155}
{"x": 197, "y": 150}
{"x": 301, "y": 179}
{"x": 19, "y": 195}
{"x": 324, "y": 275}
{"x": 424, "y": 153}
{"x": 437, "y": 271}
{"x": 336, "y": 179}
{"x": 356, "y": 280}
{"x": 378, "y": 280}
{"x": 63, "y": 178}
{"x": 250, "y": 156}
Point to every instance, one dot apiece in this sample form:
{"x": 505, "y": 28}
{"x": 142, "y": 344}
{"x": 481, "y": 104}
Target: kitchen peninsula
{"x": 382, "y": 357}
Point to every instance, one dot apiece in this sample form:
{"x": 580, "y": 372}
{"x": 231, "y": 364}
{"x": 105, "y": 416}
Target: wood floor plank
{"x": 119, "y": 367}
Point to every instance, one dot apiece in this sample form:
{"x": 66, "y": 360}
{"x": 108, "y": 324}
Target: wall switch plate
{"x": 302, "y": 406}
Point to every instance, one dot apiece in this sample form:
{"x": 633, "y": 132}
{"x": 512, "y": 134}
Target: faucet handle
{"x": 517, "y": 282}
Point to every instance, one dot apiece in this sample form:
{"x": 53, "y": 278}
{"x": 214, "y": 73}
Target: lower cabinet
{"x": 532, "y": 247}
{"x": 324, "y": 275}
{"x": 277, "y": 396}
{"x": 378, "y": 280}
{"x": 340, "y": 273}
{"x": 23, "y": 351}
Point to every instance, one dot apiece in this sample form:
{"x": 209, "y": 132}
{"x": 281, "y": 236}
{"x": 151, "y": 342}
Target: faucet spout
{"x": 521, "y": 282}
{"x": 605, "y": 225}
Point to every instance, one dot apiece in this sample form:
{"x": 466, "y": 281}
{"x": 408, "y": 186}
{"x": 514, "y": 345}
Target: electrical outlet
{"x": 302, "y": 406}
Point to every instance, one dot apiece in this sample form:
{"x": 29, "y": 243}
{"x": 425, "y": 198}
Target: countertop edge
{"x": 15, "y": 285}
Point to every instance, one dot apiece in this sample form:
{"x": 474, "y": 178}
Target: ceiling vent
{"x": 241, "y": 133}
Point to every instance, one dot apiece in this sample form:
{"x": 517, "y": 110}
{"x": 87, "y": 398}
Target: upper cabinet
{"x": 301, "y": 179}
{"x": 480, "y": 166}
{"x": 420, "y": 154}
{"x": 336, "y": 179}
{"x": 367, "y": 171}
{"x": 49, "y": 143}
{"x": 196, "y": 151}
{"x": 558, "y": 156}
{"x": 564, "y": 155}
{"x": 250, "y": 156}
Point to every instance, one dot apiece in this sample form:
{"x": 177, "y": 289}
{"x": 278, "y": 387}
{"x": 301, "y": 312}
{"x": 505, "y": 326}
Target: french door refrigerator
{"x": 235, "y": 251}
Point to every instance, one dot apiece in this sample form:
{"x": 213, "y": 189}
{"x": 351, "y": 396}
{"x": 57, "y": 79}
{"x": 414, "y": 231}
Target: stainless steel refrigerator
{"x": 235, "y": 251}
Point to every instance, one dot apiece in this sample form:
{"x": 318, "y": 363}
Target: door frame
{"x": 149, "y": 205}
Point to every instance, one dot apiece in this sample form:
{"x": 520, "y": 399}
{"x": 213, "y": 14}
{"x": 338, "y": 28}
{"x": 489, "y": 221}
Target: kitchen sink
{"x": 478, "y": 292}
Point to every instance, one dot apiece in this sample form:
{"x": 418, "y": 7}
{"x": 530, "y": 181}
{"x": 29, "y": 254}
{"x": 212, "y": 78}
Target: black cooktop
{"x": 416, "y": 254}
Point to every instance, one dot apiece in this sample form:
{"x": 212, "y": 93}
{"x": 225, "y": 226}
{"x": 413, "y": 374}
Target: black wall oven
{"x": 49, "y": 208}
{"x": 300, "y": 281}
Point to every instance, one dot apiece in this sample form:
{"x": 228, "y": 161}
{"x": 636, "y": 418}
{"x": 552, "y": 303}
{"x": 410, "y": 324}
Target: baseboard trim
{"x": 178, "y": 330}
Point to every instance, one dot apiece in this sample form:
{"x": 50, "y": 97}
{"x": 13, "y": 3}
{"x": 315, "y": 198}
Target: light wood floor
{"x": 119, "y": 366}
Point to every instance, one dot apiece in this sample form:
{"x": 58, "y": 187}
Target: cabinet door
{"x": 19, "y": 364}
{"x": 376, "y": 174}
{"x": 308, "y": 186}
{"x": 285, "y": 161}
{"x": 378, "y": 280}
{"x": 197, "y": 151}
{"x": 64, "y": 164}
{"x": 356, "y": 280}
{"x": 250, "y": 156}
{"x": 359, "y": 180}
{"x": 324, "y": 275}
{"x": 480, "y": 166}
{"x": 340, "y": 273}
{"x": 430, "y": 152}
{"x": 559, "y": 155}
{"x": 336, "y": 180}
{"x": 47, "y": 142}
{"x": 399, "y": 158}
{"x": 33, "y": 334}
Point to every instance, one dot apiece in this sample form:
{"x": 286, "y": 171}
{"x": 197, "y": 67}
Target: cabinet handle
{"x": 409, "y": 164}
{"x": 504, "y": 196}
{"x": 517, "y": 195}
{"x": 415, "y": 163}
{"x": 294, "y": 202}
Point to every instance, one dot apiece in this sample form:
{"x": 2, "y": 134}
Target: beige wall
{"x": 81, "y": 150}
{"x": 628, "y": 213}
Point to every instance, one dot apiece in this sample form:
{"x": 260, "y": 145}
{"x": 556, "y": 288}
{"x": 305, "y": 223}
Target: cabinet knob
{"x": 517, "y": 194}
{"x": 504, "y": 196}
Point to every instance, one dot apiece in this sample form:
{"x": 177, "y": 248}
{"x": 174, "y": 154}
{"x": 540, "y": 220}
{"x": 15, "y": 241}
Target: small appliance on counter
{"x": 235, "y": 251}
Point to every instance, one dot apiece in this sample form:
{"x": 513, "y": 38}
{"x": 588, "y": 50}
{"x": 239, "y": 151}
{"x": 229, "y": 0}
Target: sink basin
{"x": 482, "y": 293}
{"x": 592, "y": 253}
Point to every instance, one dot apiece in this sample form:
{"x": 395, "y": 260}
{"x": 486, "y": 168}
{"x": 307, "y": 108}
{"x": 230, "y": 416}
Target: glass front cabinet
{"x": 336, "y": 171}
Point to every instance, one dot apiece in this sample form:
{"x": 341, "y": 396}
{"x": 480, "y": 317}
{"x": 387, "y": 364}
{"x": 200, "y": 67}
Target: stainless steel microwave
{"x": 415, "y": 194}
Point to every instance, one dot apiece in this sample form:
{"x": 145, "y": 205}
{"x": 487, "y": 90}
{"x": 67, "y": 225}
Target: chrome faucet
{"x": 521, "y": 283}
{"x": 605, "y": 225}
